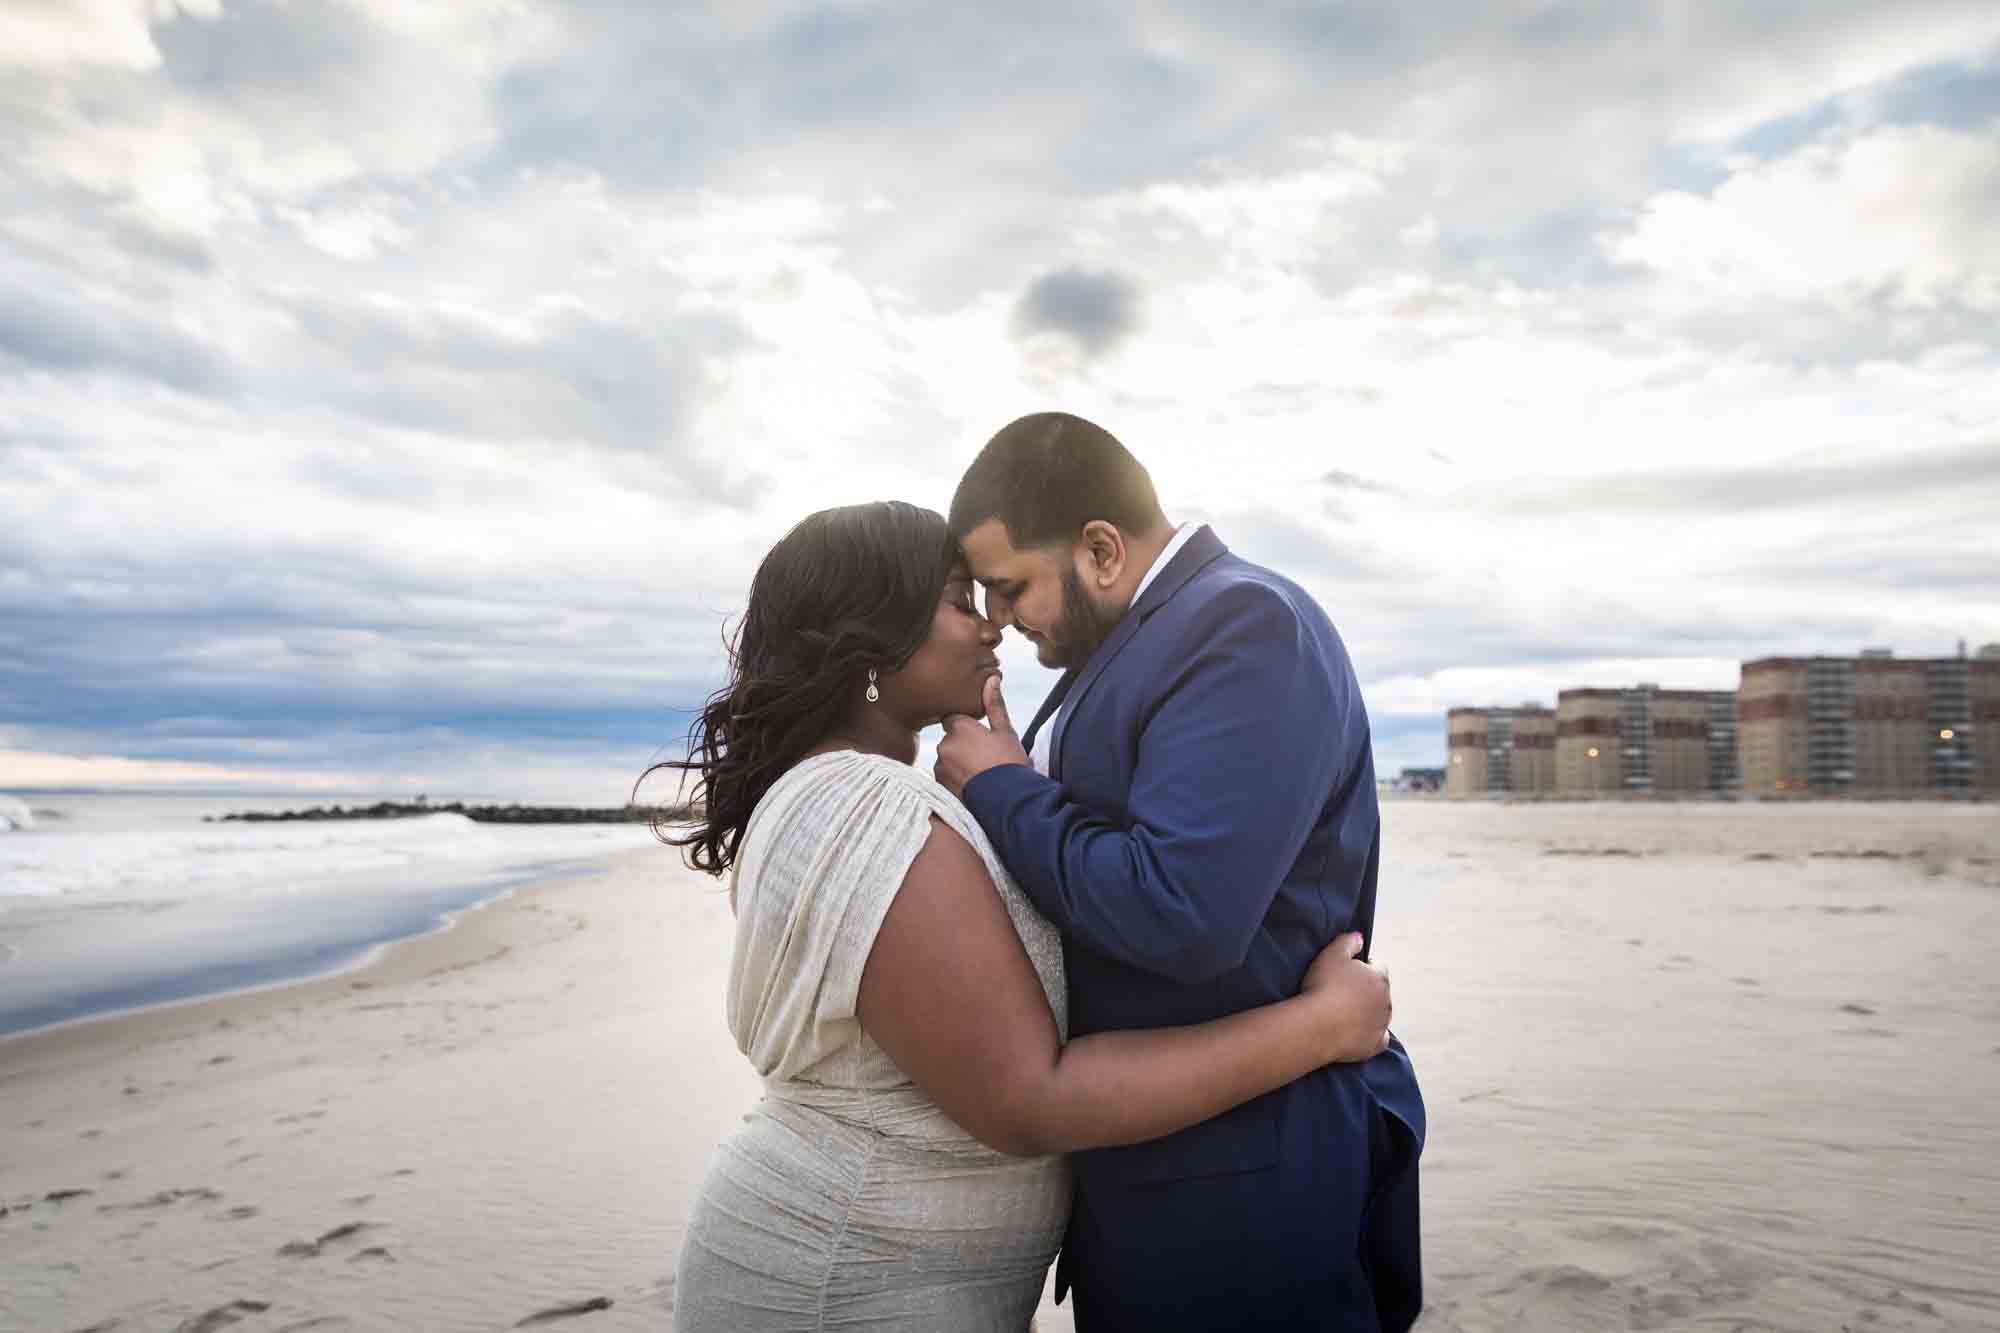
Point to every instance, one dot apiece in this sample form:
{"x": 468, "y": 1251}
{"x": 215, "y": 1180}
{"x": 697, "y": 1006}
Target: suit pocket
{"x": 1245, "y": 1139}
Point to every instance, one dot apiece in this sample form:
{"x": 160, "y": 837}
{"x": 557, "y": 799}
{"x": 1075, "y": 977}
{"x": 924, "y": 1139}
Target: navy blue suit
{"x": 1208, "y": 825}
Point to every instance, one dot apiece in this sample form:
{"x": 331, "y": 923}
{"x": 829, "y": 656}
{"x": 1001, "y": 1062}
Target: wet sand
{"x": 1687, "y": 1067}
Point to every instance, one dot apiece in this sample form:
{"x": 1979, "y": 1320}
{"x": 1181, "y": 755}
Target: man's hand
{"x": 1354, "y": 1000}
{"x": 969, "y": 749}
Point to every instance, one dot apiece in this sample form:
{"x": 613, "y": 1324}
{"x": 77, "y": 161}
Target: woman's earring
{"x": 874, "y": 695}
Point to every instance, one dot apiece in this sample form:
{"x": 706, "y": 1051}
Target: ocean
{"x": 115, "y": 901}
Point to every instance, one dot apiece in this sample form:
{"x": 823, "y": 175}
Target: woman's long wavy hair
{"x": 845, "y": 590}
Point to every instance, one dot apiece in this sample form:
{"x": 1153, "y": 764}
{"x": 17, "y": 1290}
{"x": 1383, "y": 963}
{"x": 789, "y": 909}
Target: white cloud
{"x": 116, "y": 33}
{"x": 1506, "y": 686}
{"x": 1903, "y": 216}
{"x": 1745, "y": 67}
{"x": 356, "y": 232}
{"x": 21, "y": 769}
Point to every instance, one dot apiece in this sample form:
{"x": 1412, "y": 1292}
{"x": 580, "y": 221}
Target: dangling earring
{"x": 874, "y": 695}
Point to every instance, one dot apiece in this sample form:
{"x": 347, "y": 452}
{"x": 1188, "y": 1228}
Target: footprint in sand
{"x": 164, "y": 1199}
{"x": 373, "y": 1254}
{"x": 312, "y": 1249}
{"x": 1860, "y": 1009}
{"x": 555, "y": 1312}
{"x": 222, "y": 1316}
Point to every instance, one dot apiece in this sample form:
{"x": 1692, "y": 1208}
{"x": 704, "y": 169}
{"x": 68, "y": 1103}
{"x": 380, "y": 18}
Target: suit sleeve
{"x": 1242, "y": 753}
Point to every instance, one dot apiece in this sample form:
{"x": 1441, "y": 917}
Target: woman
{"x": 902, "y": 1000}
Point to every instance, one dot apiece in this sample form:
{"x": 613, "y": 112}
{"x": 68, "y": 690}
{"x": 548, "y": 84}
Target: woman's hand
{"x": 1353, "y": 999}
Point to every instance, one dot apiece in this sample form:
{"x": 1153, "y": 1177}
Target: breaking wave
{"x": 277, "y": 858}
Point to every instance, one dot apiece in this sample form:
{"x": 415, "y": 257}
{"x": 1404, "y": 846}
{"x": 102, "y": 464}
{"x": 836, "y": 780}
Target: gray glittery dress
{"x": 848, "y": 1199}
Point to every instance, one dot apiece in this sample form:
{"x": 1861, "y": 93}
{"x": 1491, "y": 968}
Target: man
{"x": 1199, "y": 819}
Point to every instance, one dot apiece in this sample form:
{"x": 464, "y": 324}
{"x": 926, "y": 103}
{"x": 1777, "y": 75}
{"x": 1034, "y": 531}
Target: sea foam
{"x": 156, "y": 865}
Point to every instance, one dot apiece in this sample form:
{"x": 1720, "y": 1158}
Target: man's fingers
{"x": 996, "y": 709}
{"x": 1350, "y": 943}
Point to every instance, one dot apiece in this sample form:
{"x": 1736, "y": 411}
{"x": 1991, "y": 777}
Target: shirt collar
{"x": 1164, "y": 558}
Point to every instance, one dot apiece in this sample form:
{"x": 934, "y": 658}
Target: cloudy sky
{"x": 400, "y": 395}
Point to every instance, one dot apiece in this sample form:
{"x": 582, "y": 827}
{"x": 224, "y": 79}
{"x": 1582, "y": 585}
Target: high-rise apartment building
{"x": 1500, "y": 751}
{"x": 1872, "y": 725}
{"x": 1645, "y": 740}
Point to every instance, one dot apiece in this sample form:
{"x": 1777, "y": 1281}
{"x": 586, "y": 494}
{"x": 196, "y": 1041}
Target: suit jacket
{"x": 1208, "y": 825}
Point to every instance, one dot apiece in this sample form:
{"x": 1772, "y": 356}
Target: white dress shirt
{"x": 1045, "y": 738}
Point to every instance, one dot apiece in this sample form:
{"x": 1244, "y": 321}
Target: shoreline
{"x": 357, "y": 962}
{"x": 373, "y": 911}
{"x": 385, "y": 962}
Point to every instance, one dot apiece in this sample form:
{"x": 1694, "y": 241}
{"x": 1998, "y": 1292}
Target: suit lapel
{"x": 1202, "y": 549}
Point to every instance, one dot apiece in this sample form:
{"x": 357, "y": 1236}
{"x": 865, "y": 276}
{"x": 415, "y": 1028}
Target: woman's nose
{"x": 989, "y": 631}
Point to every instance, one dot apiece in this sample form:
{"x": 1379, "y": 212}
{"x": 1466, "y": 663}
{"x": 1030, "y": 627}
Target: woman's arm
{"x": 949, "y": 993}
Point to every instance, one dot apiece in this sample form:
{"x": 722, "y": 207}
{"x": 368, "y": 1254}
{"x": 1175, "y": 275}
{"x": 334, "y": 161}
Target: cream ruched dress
{"x": 848, "y": 1200}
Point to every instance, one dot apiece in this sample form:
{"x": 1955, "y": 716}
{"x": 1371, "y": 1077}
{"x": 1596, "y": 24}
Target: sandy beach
{"x": 1719, "y": 1067}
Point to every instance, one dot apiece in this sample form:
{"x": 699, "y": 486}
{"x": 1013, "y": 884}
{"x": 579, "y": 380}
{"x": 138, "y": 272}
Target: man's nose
{"x": 989, "y": 631}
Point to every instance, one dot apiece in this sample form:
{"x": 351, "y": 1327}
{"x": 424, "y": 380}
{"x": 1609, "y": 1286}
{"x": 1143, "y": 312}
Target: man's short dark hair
{"x": 1046, "y": 475}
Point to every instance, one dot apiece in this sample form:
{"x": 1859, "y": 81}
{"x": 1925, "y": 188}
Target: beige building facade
{"x": 1499, "y": 752}
{"x": 1587, "y": 758}
{"x": 1872, "y": 725}
{"x": 1466, "y": 763}
{"x": 1534, "y": 759}
{"x": 1985, "y": 710}
{"x": 1645, "y": 741}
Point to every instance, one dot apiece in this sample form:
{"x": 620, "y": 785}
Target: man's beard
{"x": 1082, "y": 627}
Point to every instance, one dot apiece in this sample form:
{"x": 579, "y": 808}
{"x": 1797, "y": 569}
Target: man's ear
{"x": 1102, "y": 549}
